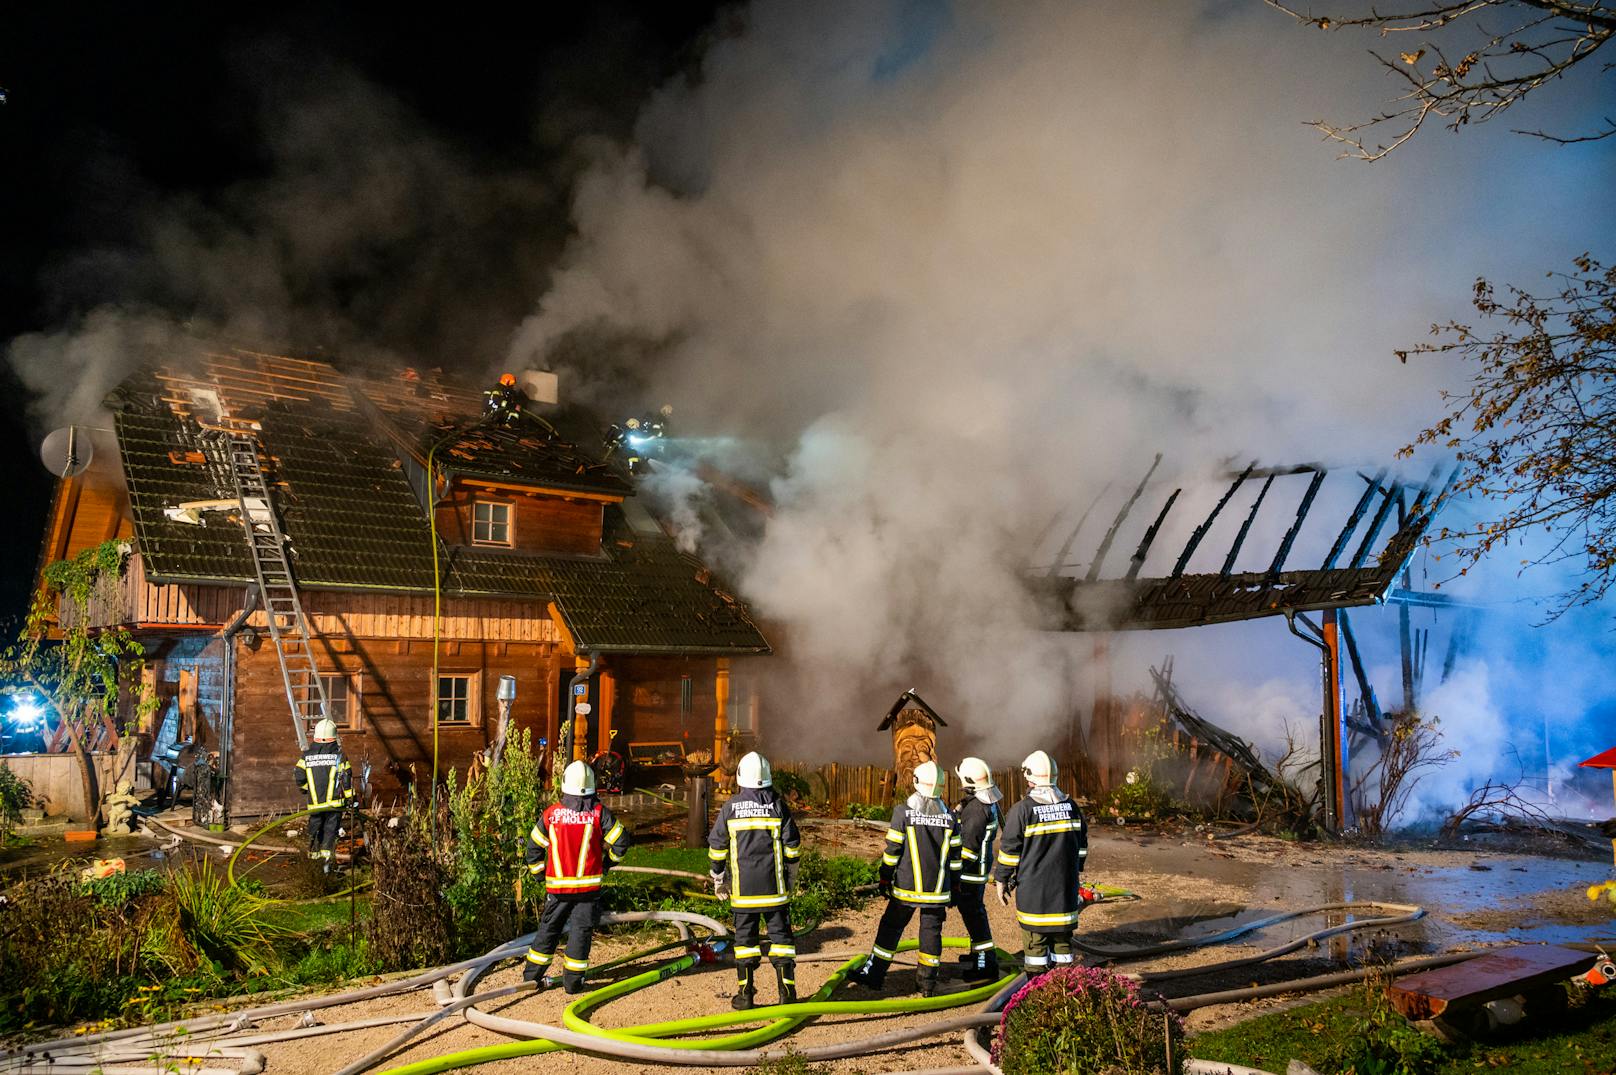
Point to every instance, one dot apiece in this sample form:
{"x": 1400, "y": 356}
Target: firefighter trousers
{"x": 1041, "y": 950}
{"x": 895, "y": 919}
{"x": 968, "y": 899}
{"x": 749, "y": 925}
{"x": 323, "y": 826}
{"x": 576, "y": 916}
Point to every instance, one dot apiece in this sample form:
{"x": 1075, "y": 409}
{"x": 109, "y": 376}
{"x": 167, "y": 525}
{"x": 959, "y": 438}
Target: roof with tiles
{"x": 337, "y": 454}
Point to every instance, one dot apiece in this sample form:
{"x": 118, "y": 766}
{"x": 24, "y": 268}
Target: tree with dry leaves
{"x": 1536, "y": 429}
{"x": 1468, "y": 61}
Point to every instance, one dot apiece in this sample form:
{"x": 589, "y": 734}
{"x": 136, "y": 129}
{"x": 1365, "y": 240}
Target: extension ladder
{"x": 277, "y": 590}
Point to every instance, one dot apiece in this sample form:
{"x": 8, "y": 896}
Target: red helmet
{"x": 508, "y": 380}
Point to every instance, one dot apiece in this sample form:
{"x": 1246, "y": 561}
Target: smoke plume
{"x": 965, "y": 264}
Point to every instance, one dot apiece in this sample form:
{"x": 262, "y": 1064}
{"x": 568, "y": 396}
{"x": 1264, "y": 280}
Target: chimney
{"x": 540, "y": 386}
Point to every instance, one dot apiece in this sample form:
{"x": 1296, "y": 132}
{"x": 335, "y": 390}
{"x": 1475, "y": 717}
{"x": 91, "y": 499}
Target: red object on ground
{"x": 77, "y": 836}
{"x": 1503, "y": 973}
{"x": 1607, "y": 760}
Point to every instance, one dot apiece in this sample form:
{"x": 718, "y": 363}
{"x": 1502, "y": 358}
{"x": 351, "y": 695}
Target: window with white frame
{"x": 457, "y": 698}
{"x": 342, "y": 700}
{"x": 490, "y": 523}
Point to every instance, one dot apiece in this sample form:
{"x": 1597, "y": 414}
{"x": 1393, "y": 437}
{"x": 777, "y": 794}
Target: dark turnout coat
{"x": 754, "y": 840}
{"x": 1042, "y": 851}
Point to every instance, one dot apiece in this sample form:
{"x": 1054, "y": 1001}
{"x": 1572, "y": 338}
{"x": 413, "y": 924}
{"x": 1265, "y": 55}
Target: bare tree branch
{"x": 1473, "y": 73}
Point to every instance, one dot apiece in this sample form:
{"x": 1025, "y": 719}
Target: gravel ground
{"x": 1187, "y": 886}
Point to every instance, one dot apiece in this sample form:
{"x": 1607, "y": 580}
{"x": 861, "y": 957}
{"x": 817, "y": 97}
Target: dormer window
{"x": 491, "y": 523}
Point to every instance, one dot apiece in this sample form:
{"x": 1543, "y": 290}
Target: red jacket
{"x": 575, "y": 842}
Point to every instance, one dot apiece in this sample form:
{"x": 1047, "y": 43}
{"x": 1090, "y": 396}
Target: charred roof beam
{"x": 1296, "y": 527}
{"x": 1116, "y": 524}
{"x": 1354, "y": 519}
{"x": 1245, "y": 528}
{"x": 1202, "y": 530}
{"x": 1143, "y": 550}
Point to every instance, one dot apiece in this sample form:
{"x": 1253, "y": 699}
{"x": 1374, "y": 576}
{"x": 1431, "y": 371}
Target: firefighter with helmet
{"x": 324, "y": 775}
{"x": 979, "y": 823}
{"x": 1041, "y": 853}
{"x": 752, "y": 852}
{"x": 574, "y": 844}
{"x": 503, "y": 402}
{"x": 919, "y": 871}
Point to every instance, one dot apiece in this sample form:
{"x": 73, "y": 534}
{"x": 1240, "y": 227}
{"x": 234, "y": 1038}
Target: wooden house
{"x": 524, "y": 554}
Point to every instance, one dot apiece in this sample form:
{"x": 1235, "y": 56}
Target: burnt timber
{"x": 1093, "y": 603}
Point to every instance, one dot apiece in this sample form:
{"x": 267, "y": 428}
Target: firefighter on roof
{"x": 324, "y": 775}
{"x": 503, "y": 403}
{"x": 920, "y": 870}
{"x": 979, "y": 823}
{"x": 753, "y": 851}
{"x": 1042, "y": 851}
{"x": 575, "y": 842}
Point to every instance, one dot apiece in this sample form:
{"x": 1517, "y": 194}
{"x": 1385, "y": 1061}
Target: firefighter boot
{"x": 572, "y": 980}
{"x": 926, "y": 979}
{"x": 745, "y": 991}
{"x": 534, "y": 972}
{"x": 982, "y": 967}
{"x": 871, "y": 974}
{"x": 785, "y": 974}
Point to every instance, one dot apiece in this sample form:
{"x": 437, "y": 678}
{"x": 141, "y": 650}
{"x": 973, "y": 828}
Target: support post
{"x": 1103, "y": 737}
{"x": 721, "y": 707}
{"x": 699, "y": 787}
{"x": 1333, "y": 740}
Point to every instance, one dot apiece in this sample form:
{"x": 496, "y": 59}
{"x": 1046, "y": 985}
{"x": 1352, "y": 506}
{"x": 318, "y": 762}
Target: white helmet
{"x": 578, "y": 779}
{"x": 754, "y": 772}
{"x": 1039, "y": 769}
{"x": 325, "y": 731}
{"x": 928, "y": 779}
{"x": 974, "y": 775}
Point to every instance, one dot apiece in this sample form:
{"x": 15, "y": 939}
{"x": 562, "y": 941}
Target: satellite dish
{"x": 67, "y": 452}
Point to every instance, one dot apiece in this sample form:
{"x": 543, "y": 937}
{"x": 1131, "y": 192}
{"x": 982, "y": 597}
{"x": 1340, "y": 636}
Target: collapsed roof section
{"x": 1246, "y": 573}
{"x": 338, "y": 451}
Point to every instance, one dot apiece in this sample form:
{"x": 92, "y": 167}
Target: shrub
{"x": 224, "y": 924}
{"x": 16, "y": 795}
{"x": 1078, "y": 1020}
{"x": 410, "y": 921}
{"x": 830, "y": 883}
{"x": 1382, "y": 1042}
{"x": 867, "y": 811}
{"x": 792, "y": 786}
{"x": 489, "y": 817}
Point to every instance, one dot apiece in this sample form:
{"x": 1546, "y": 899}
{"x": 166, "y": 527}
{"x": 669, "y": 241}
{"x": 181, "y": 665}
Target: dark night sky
{"x": 118, "y": 111}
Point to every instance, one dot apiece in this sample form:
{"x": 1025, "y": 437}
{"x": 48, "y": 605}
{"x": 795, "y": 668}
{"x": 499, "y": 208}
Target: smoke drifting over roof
{"x": 971, "y": 261}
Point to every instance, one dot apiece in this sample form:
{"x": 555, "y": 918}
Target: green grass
{"x": 1582, "y": 1040}
{"x": 693, "y": 859}
{"x": 311, "y": 917}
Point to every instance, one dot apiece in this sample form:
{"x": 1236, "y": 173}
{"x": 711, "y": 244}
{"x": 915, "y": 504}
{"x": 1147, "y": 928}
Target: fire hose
{"x": 648, "y": 1042}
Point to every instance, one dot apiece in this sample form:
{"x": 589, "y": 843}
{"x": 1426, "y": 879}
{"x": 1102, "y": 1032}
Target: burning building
{"x": 375, "y": 546}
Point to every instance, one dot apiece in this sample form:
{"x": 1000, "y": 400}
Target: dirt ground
{"x": 1187, "y": 887}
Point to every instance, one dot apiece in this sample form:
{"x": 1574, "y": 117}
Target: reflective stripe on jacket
{"x": 755, "y": 841}
{"x": 573, "y": 845}
{"x": 324, "y": 775}
{"x": 1043, "y": 848}
{"x": 979, "y": 823}
{"x": 922, "y": 858}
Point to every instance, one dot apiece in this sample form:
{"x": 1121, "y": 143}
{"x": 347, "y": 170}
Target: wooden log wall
{"x": 394, "y": 692}
{"x": 539, "y": 523}
{"x": 648, "y": 706}
{"x": 136, "y": 602}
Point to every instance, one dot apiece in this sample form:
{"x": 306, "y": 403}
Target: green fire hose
{"x": 781, "y": 1019}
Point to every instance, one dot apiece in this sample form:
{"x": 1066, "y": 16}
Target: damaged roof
{"x": 337, "y": 459}
{"x": 1360, "y": 566}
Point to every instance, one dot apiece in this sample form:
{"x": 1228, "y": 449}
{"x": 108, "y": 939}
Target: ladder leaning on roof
{"x": 277, "y": 589}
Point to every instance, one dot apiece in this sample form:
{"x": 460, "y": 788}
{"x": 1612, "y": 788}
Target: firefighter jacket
{"x": 325, "y": 776}
{"x": 922, "y": 860}
{"x": 979, "y": 823}
{"x": 1043, "y": 848}
{"x": 755, "y": 840}
{"x": 575, "y": 842}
